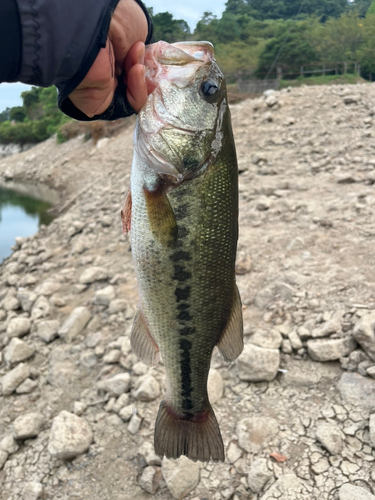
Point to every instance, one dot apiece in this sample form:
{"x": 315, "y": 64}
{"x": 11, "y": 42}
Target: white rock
{"x": 9, "y": 444}
{"x": 70, "y": 436}
{"x": 331, "y": 326}
{"x": 181, "y": 476}
{"x": 134, "y": 424}
{"x": 10, "y": 304}
{"x": 75, "y": 323}
{"x": 47, "y": 330}
{"x": 92, "y": 274}
{"x": 215, "y": 386}
{"x": 295, "y": 340}
{"x": 234, "y": 452}
{"x": 18, "y": 327}
{"x": 270, "y": 339}
{"x": 13, "y": 379}
{"x": 257, "y": 364}
{"x": 17, "y": 350}
{"x": 147, "y": 388}
{"x": 357, "y": 390}
{"x": 287, "y": 487}
{"x": 105, "y": 295}
{"x": 350, "y": 492}
{"x": 3, "y": 458}
{"x": 258, "y": 475}
{"x": 149, "y": 480}
{"x": 115, "y": 385}
{"x": 79, "y": 407}
{"x": 41, "y": 308}
{"x": 330, "y": 350}
{"x": 47, "y": 287}
{"x": 117, "y": 305}
{"x": 121, "y": 401}
{"x": 148, "y": 452}
{"x": 27, "y": 426}
{"x": 256, "y": 431}
{"x": 330, "y": 436}
{"x": 364, "y": 334}
{"x": 27, "y": 386}
{"x": 371, "y": 426}
{"x": 27, "y": 300}
{"x": 32, "y": 491}
{"x": 127, "y": 411}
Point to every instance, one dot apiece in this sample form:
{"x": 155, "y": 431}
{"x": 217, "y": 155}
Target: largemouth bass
{"x": 182, "y": 210}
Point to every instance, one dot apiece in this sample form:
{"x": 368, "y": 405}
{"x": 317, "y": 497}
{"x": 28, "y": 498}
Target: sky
{"x": 191, "y": 11}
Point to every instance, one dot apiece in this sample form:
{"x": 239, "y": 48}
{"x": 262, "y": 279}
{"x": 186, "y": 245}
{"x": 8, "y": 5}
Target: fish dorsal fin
{"x": 160, "y": 215}
{"x": 231, "y": 341}
{"x": 126, "y": 213}
{"x": 143, "y": 345}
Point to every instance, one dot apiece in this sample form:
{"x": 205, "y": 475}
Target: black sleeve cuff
{"x": 119, "y": 107}
{"x": 10, "y": 41}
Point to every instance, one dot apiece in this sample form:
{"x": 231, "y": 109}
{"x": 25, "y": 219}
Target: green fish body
{"x": 183, "y": 215}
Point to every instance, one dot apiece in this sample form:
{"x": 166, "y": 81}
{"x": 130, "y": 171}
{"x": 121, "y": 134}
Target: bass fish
{"x": 182, "y": 213}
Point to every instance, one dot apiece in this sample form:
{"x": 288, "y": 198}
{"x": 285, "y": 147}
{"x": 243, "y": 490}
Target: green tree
{"x": 361, "y": 6}
{"x": 4, "y": 115}
{"x": 169, "y": 29}
{"x": 343, "y": 38}
{"x": 17, "y": 114}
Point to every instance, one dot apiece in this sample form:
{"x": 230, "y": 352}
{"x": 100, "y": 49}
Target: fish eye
{"x": 209, "y": 90}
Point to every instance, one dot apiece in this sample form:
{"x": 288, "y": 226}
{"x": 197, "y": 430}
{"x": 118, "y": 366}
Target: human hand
{"x": 124, "y": 50}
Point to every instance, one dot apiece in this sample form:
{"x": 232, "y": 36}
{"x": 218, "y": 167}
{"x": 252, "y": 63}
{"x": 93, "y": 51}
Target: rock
{"x": 331, "y": 326}
{"x": 258, "y": 475}
{"x": 263, "y": 298}
{"x": 32, "y": 491}
{"x": 351, "y": 99}
{"x": 117, "y": 305}
{"x": 13, "y": 379}
{"x": 234, "y": 452}
{"x": 147, "y": 388}
{"x": 270, "y": 339}
{"x": 79, "y": 407}
{"x": 75, "y": 323}
{"x": 113, "y": 356}
{"x": 121, "y": 401}
{"x": 371, "y": 428}
{"x": 295, "y": 340}
{"x": 47, "y": 287}
{"x": 92, "y": 274}
{"x": 127, "y": 411}
{"x": 330, "y": 437}
{"x": 70, "y": 436}
{"x": 257, "y": 364}
{"x": 17, "y": 350}
{"x": 88, "y": 358}
{"x": 350, "y": 492}
{"x": 27, "y": 300}
{"x": 60, "y": 373}
{"x": 27, "y": 386}
{"x": 27, "y": 426}
{"x": 148, "y": 452}
{"x": 364, "y": 334}
{"x": 3, "y": 458}
{"x": 150, "y": 479}
{"x": 330, "y": 350}
{"x": 254, "y": 432}
{"x": 115, "y": 385}
{"x": 263, "y": 203}
{"x": 357, "y": 390}
{"x": 134, "y": 424}
{"x": 47, "y": 330}
{"x": 10, "y": 304}
{"x": 18, "y": 327}
{"x": 9, "y": 444}
{"x": 41, "y": 308}
{"x": 287, "y": 487}
{"x": 181, "y": 476}
{"x": 271, "y": 100}
{"x": 215, "y": 386}
{"x": 104, "y": 295}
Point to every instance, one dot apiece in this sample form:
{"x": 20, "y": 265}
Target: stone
{"x": 330, "y": 437}
{"x": 331, "y": 326}
{"x": 258, "y": 475}
{"x": 234, "y": 452}
{"x": 150, "y": 479}
{"x": 271, "y": 100}
{"x": 120, "y": 402}
{"x": 113, "y": 356}
{"x": 70, "y": 436}
{"x": 215, "y": 386}
{"x": 364, "y": 334}
{"x": 9, "y": 444}
{"x": 47, "y": 287}
{"x": 115, "y": 385}
{"x": 18, "y": 326}
{"x": 147, "y": 388}
{"x": 88, "y": 358}
{"x": 127, "y": 411}
{"x": 181, "y": 476}
{"x": 287, "y": 487}
{"x": 330, "y": 350}
{"x": 256, "y": 431}
{"x": 350, "y": 492}
{"x": 10, "y": 304}
{"x": 11, "y": 380}
{"x": 17, "y": 350}
{"x": 371, "y": 429}
{"x": 27, "y": 426}
{"x": 32, "y": 491}
{"x": 104, "y": 296}
{"x": 27, "y": 300}
{"x": 79, "y": 407}
{"x": 27, "y": 386}
{"x": 263, "y": 298}
{"x": 3, "y": 458}
{"x": 93, "y": 274}
{"x": 270, "y": 339}
{"x": 258, "y": 364}
{"x": 117, "y": 305}
{"x": 75, "y": 323}
{"x": 322, "y": 465}
{"x": 148, "y": 452}
{"x": 134, "y": 424}
{"x": 41, "y": 308}
{"x": 295, "y": 340}
{"x": 357, "y": 390}
{"x": 47, "y": 330}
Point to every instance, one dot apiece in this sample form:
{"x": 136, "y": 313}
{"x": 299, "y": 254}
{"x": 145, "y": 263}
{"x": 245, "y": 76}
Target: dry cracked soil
{"x": 296, "y": 410}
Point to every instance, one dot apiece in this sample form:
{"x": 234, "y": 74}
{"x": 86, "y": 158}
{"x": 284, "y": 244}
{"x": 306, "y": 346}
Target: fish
{"x": 182, "y": 214}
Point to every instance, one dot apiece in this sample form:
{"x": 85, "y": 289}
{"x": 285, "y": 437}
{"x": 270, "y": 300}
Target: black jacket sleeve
{"x": 55, "y": 42}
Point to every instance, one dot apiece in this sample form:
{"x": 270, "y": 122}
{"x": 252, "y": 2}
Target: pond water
{"x": 20, "y": 215}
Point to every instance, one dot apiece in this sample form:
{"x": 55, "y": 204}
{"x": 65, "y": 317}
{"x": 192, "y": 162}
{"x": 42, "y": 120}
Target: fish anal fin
{"x": 231, "y": 341}
{"x": 143, "y": 345}
{"x": 126, "y": 213}
{"x": 160, "y": 215}
{"x": 197, "y": 437}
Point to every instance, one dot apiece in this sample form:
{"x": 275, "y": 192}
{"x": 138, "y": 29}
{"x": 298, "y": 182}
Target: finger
{"x": 136, "y": 55}
{"x": 137, "y": 89}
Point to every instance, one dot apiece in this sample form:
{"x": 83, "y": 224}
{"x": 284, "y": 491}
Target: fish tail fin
{"x": 197, "y": 437}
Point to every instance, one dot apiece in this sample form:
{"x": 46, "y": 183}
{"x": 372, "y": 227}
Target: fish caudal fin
{"x": 126, "y": 213}
{"x": 142, "y": 342}
{"x": 231, "y": 342}
{"x": 197, "y": 438}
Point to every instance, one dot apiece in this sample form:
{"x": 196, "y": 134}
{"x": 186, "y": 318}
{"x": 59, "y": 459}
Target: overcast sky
{"x": 191, "y": 11}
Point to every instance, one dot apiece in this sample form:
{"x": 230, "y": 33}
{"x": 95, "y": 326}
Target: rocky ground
{"x": 296, "y": 410}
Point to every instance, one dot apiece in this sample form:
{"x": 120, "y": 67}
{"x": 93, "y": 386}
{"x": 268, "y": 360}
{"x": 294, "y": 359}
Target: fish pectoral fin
{"x": 143, "y": 344}
{"x": 231, "y": 342}
{"x": 126, "y": 213}
{"x": 161, "y": 217}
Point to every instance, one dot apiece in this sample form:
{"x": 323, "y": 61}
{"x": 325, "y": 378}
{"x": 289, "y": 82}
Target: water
{"x": 20, "y": 215}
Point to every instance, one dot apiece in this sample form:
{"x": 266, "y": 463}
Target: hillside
{"x": 303, "y": 390}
